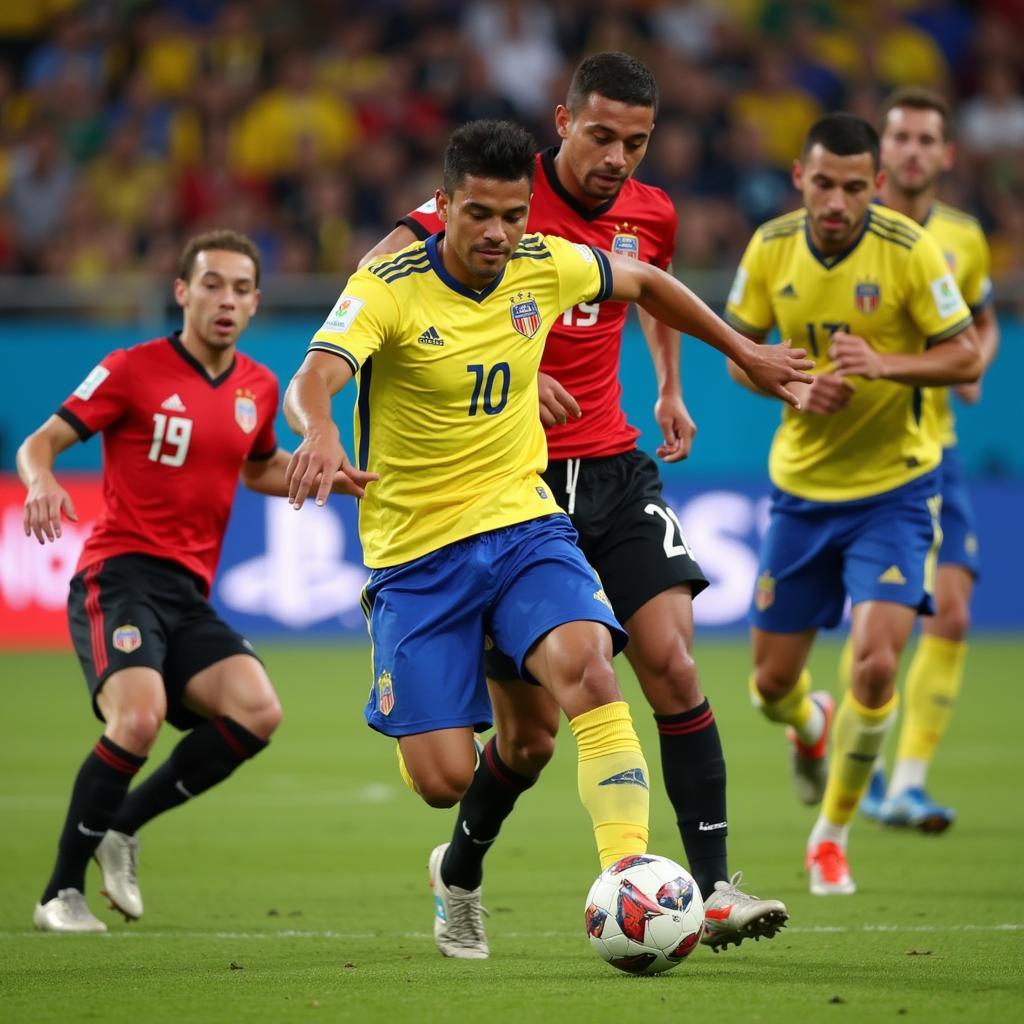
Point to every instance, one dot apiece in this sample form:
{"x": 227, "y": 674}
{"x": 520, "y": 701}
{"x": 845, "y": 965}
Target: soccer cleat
{"x": 458, "y": 916}
{"x": 66, "y": 912}
{"x": 830, "y": 873}
{"x": 810, "y": 761}
{"x": 730, "y": 915}
{"x": 914, "y": 808}
{"x": 871, "y": 802}
{"x": 118, "y": 858}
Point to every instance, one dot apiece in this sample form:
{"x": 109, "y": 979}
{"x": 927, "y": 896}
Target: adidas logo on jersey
{"x": 893, "y": 575}
{"x": 173, "y": 404}
{"x": 789, "y": 292}
{"x": 430, "y": 337}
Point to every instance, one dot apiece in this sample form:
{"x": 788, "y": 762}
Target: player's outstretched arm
{"x": 46, "y": 499}
{"x": 955, "y": 361}
{"x": 986, "y": 323}
{"x": 399, "y": 238}
{"x": 670, "y": 412}
{"x": 320, "y": 460}
{"x": 769, "y": 367}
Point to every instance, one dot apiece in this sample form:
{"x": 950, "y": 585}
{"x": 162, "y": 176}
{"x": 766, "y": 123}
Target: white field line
{"x": 290, "y": 933}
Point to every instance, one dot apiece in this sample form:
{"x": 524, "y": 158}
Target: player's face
{"x": 484, "y": 221}
{"x": 603, "y": 144}
{"x": 837, "y": 191}
{"x": 220, "y": 297}
{"x": 914, "y": 149}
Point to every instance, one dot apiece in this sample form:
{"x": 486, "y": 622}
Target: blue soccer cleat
{"x": 871, "y": 802}
{"x": 914, "y": 808}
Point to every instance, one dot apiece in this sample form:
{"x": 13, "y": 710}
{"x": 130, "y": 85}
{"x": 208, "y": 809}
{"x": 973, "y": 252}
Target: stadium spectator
{"x": 855, "y": 506}
{"x": 151, "y": 646}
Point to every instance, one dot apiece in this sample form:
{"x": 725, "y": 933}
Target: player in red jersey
{"x": 182, "y": 417}
{"x": 584, "y": 191}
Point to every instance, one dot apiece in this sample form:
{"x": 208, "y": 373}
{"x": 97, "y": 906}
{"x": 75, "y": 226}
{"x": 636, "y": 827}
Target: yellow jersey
{"x": 447, "y": 410}
{"x": 963, "y": 244}
{"x": 892, "y": 287}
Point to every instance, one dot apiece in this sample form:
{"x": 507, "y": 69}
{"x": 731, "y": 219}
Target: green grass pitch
{"x": 297, "y": 891}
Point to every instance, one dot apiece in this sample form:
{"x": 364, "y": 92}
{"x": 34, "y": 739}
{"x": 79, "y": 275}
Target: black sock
{"x": 487, "y": 803}
{"x": 205, "y": 756}
{"x": 99, "y": 789}
{"x": 694, "y": 769}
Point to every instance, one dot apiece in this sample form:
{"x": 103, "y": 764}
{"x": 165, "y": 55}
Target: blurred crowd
{"x": 126, "y": 125}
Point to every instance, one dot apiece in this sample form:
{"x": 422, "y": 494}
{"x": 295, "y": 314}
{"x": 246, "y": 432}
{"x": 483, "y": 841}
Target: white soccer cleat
{"x": 67, "y": 912}
{"x": 731, "y": 915}
{"x": 458, "y": 916}
{"x": 118, "y": 858}
{"x": 810, "y": 761}
{"x": 829, "y": 871}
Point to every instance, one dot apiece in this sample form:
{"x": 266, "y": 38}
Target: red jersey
{"x": 582, "y": 351}
{"x": 174, "y": 440}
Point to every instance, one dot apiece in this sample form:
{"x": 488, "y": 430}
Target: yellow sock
{"x": 613, "y": 780}
{"x": 846, "y": 663}
{"x": 933, "y": 683}
{"x": 857, "y": 736}
{"x": 403, "y": 771}
{"x": 794, "y": 709}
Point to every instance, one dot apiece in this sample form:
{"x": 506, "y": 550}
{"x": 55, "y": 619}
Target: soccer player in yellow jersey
{"x": 856, "y": 499}
{"x": 915, "y": 151}
{"x": 464, "y": 539}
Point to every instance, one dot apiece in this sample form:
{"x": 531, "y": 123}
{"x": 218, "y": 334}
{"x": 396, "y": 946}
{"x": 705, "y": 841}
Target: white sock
{"x": 825, "y": 831}
{"x": 907, "y": 773}
{"x": 810, "y": 732}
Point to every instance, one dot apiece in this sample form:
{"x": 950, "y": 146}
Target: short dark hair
{"x": 918, "y": 98}
{"x": 488, "y": 149}
{"x": 222, "y": 238}
{"x": 615, "y": 76}
{"x": 843, "y": 134}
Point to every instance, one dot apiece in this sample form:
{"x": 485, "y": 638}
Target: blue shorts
{"x": 430, "y": 619}
{"x": 815, "y": 553}
{"x": 959, "y": 541}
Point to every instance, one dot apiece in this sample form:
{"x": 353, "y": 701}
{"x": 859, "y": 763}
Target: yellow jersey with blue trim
{"x": 447, "y": 410}
{"x": 892, "y": 287}
{"x": 965, "y": 248}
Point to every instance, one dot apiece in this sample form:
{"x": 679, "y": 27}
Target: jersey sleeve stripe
{"x": 394, "y": 275}
{"x": 950, "y": 332}
{"x": 75, "y": 423}
{"x": 741, "y": 325}
{"x": 901, "y": 242}
{"x": 894, "y": 227}
{"x": 335, "y": 350}
{"x": 418, "y": 229}
{"x": 606, "y": 275}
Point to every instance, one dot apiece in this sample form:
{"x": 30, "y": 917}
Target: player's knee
{"x": 528, "y": 750}
{"x": 681, "y": 679}
{"x": 953, "y": 620}
{"x": 771, "y": 684}
{"x": 876, "y": 669}
{"x": 135, "y": 726}
{"x": 265, "y": 716}
{"x": 442, "y": 790}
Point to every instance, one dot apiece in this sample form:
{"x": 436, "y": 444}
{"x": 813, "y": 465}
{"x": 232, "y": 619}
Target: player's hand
{"x": 853, "y": 356}
{"x": 969, "y": 394}
{"x": 351, "y": 480}
{"x": 556, "y": 404}
{"x": 313, "y": 466}
{"x": 677, "y": 428}
{"x": 771, "y": 367}
{"x": 44, "y": 503}
{"x": 828, "y": 394}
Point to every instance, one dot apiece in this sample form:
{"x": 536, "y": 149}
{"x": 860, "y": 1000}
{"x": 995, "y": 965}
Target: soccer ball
{"x": 644, "y": 914}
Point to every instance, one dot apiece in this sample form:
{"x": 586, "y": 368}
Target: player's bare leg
{"x": 693, "y": 765}
{"x": 242, "y": 711}
{"x": 933, "y": 684}
{"x": 879, "y": 632}
{"x": 133, "y": 704}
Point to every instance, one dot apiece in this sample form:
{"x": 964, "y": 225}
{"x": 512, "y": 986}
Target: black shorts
{"x": 137, "y": 611}
{"x": 627, "y": 531}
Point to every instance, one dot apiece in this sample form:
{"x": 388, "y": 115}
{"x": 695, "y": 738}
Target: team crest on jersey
{"x": 867, "y": 295}
{"x": 626, "y": 242}
{"x": 764, "y": 593}
{"x": 127, "y": 639}
{"x": 245, "y": 410}
{"x": 385, "y": 694}
{"x": 525, "y": 314}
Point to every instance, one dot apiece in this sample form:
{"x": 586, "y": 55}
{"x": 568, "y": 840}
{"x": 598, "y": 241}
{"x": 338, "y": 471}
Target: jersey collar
{"x": 457, "y": 286}
{"x": 830, "y": 262}
{"x": 214, "y": 382}
{"x": 547, "y": 166}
